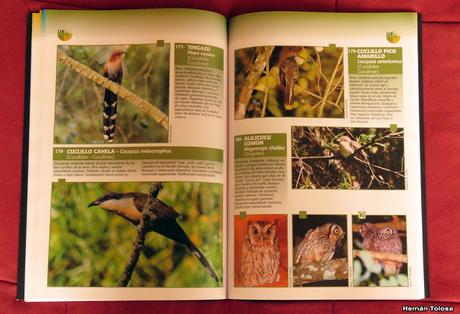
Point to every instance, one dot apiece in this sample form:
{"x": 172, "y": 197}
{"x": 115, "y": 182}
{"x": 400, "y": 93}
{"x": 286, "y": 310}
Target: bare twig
{"x": 141, "y": 232}
{"x": 255, "y": 71}
{"x": 121, "y": 91}
{"x": 335, "y": 269}
{"x": 393, "y": 257}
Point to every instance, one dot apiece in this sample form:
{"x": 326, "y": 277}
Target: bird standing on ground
{"x": 163, "y": 218}
{"x": 113, "y": 70}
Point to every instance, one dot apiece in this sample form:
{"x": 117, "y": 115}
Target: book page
{"x": 127, "y": 158}
{"x": 324, "y": 168}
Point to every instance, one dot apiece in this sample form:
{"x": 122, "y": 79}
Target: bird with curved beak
{"x": 162, "y": 221}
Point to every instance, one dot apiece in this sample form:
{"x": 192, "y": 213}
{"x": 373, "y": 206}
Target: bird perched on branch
{"x": 162, "y": 218}
{"x": 319, "y": 244}
{"x": 113, "y": 70}
{"x": 289, "y": 74}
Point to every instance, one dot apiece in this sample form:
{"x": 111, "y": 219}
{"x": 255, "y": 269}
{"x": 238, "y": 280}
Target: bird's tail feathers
{"x": 192, "y": 247}
{"x": 109, "y": 115}
{"x": 288, "y": 93}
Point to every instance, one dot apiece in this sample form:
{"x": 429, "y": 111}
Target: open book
{"x": 172, "y": 154}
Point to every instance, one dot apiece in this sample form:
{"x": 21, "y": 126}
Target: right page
{"x": 325, "y": 181}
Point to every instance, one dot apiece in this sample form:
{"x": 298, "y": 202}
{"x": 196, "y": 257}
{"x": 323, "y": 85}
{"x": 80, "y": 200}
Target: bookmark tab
{"x": 61, "y": 180}
{"x": 362, "y": 215}
{"x": 332, "y": 46}
{"x": 160, "y": 43}
{"x": 242, "y": 215}
{"x": 393, "y": 128}
{"x": 302, "y": 214}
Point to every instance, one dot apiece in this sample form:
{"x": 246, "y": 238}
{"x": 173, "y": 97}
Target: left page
{"x": 120, "y": 111}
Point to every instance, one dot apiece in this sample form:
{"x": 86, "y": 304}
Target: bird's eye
{"x": 388, "y": 231}
{"x": 336, "y": 231}
{"x": 254, "y": 231}
{"x": 269, "y": 231}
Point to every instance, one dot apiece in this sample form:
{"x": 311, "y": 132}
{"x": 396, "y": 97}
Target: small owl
{"x": 260, "y": 254}
{"x": 319, "y": 244}
{"x": 384, "y": 240}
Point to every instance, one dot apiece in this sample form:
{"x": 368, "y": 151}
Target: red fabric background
{"x": 441, "y": 67}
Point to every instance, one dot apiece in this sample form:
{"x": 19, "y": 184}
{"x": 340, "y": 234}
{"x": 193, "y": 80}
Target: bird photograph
{"x": 88, "y": 113}
{"x": 320, "y": 250}
{"x": 289, "y": 81}
{"x": 94, "y": 226}
{"x": 379, "y": 247}
{"x": 348, "y": 158}
{"x": 261, "y": 251}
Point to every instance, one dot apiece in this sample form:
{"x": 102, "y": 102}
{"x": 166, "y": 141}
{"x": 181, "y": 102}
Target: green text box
{"x": 199, "y": 55}
{"x": 374, "y": 60}
{"x": 260, "y": 145}
{"x": 138, "y": 153}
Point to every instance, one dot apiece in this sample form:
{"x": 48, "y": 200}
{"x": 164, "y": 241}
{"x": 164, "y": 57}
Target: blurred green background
{"x": 90, "y": 247}
{"x": 79, "y": 101}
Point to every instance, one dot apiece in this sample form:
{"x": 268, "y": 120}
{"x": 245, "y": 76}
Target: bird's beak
{"x": 95, "y": 203}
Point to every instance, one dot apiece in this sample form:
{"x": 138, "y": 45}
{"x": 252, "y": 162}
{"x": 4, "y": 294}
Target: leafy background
{"x": 79, "y": 101}
{"x": 89, "y": 247}
{"x": 385, "y": 153}
{"x": 318, "y": 66}
{"x": 368, "y": 273}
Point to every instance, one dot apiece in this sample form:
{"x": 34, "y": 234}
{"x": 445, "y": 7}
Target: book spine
{"x": 422, "y": 158}
{"x": 25, "y": 166}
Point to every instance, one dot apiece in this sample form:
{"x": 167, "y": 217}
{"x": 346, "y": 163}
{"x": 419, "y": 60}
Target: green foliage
{"x": 79, "y": 101}
{"x": 90, "y": 247}
{"x": 316, "y": 68}
{"x": 318, "y": 161}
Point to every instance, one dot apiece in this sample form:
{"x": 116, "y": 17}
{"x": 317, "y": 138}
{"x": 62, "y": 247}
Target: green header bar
{"x": 199, "y": 55}
{"x": 138, "y": 153}
{"x": 260, "y": 145}
{"x": 368, "y": 60}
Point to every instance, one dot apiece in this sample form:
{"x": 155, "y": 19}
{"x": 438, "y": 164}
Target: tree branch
{"x": 121, "y": 91}
{"x": 255, "y": 71}
{"x": 335, "y": 269}
{"x": 393, "y": 257}
{"x": 141, "y": 232}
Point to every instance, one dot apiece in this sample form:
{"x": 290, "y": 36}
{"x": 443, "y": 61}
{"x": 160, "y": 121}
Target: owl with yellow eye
{"x": 384, "y": 240}
{"x": 319, "y": 244}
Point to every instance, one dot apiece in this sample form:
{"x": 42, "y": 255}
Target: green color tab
{"x": 160, "y": 43}
{"x": 260, "y": 145}
{"x": 61, "y": 180}
{"x": 375, "y": 60}
{"x": 242, "y": 215}
{"x": 393, "y": 128}
{"x": 362, "y": 215}
{"x": 138, "y": 153}
{"x": 302, "y": 214}
{"x": 199, "y": 55}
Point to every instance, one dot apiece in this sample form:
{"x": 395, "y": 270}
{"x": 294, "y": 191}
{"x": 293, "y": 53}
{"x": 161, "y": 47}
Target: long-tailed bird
{"x": 113, "y": 70}
{"x": 162, "y": 221}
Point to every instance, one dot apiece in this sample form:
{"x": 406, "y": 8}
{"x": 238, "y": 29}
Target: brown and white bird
{"x": 260, "y": 254}
{"x": 163, "y": 219}
{"x": 384, "y": 240}
{"x": 319, "y": 244}
{"x": 113, "y": 70}
{"x": 289, "y": 74}
{"x": 348, "y": 147}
